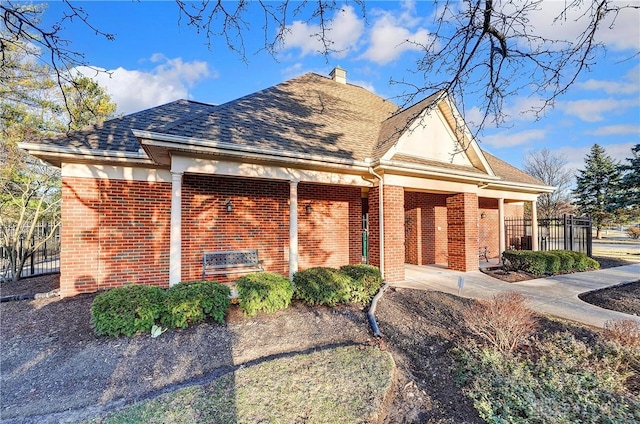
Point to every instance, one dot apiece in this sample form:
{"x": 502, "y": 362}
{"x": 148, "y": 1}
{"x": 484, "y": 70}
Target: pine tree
{"x": 630, "y": 183}
{"x": 597, "y": 187}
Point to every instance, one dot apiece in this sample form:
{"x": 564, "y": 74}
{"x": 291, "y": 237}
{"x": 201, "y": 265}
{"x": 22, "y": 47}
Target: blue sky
{"x": 153, "y": 60}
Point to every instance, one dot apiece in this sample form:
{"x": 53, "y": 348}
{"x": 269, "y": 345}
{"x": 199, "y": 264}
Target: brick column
{"x": 462, "y": 231}
{"x": 394, "y": 233}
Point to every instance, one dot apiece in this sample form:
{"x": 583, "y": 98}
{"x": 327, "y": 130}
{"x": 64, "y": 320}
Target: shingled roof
{"x": 310, "y": 114}
{"x": 115, "y": 134}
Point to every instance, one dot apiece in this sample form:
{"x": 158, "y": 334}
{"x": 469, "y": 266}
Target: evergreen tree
{"x": 630, "y": 183}
{"x": 597, "y": 187}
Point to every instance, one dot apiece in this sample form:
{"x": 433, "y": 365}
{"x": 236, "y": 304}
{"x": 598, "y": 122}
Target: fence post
{"x": 564, "y": 231}
{"x": 590, "y": 238}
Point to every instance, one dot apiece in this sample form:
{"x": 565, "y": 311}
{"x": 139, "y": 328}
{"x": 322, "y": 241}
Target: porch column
{"x": 175, "y": 239}
{"x": 462, "y": 231}
{"x": 534, "y": 226}
{"x": 501, "y": 235}
{"x": 293, "y": 228}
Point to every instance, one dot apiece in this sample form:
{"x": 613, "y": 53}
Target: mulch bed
{"x": 56, "y": 369}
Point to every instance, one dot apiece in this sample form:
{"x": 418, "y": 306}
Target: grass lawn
{"x": 343, "y": 384}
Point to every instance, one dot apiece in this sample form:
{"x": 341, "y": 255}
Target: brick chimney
{"x": 339, "y": 75}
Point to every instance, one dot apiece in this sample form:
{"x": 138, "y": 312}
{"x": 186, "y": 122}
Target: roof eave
{"x": 58, "y": 154}
{"x": 208, "y": 147}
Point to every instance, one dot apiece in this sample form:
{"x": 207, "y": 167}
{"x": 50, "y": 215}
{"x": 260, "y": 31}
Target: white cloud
{"x": 134, "y": 90}
{"x": 576, "y": 155}
{"x": 617, "y": 130}
{"x": 511, "y": 139}
{"x": 393, "y": 34}
{"x": 343, "y": 32}
{"x": 629, "y": 85}
{"x": 549, "y": 22}
{"x": 594, "y": 110}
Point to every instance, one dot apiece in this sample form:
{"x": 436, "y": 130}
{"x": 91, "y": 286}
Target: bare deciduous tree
{"x": 487, "y": 49}
{"x": 550, "y": 168}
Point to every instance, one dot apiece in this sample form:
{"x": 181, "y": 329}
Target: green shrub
{"x": 195, "y": 301}
{"x": 322, "y": 286}
{"x": 365, "y": 281}
{"x": 524, "y": 260}
{"x": 567, "y": 381}
{"x": 552, "y": 262}
{"x": 127, "y": 310}
{"x": 567, "y": 260}
{"x": 583, "y": 262}
{"x": 264, "y": 292}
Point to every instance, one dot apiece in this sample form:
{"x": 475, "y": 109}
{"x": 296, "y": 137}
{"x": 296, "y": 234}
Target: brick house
{"x": 293, "y": 170}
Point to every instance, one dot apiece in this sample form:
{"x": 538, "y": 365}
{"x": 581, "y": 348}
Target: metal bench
{"x": 483, "y": 252}
{"x": 231, "y": 262}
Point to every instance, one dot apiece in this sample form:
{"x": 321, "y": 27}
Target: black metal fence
{"x": 561, "y": 233}
{"x": 45, "y": 259}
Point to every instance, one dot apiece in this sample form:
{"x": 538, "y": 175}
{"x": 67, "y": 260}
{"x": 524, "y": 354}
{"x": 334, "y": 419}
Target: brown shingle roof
{"x": 508, "y": 172}
{"x": 115, "y": 134}
{"x": 310, "y": 114}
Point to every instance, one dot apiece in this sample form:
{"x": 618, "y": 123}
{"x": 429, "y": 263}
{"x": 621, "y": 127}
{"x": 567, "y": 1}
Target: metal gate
{"x": 43, "y": 260}
{"x": 561, "y": 233}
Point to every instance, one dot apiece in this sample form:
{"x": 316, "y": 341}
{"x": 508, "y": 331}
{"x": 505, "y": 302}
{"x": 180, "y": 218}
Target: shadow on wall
{"x": 118, "y": 233}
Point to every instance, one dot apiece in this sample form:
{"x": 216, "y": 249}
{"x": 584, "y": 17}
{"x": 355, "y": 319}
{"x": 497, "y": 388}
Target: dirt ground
{"x": 55, "y": 369}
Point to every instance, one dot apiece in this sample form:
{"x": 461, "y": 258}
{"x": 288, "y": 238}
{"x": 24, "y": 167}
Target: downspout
{"x": 374, "y": 302}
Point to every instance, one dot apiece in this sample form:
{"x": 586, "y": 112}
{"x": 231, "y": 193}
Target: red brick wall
{"x": 489, "y": 226}
{"x": 462, "y": 216}
{"x": 427, "y": 238}
{"x": 114, "y": 232}
{"x": 331, "y": 235}
{"x": 394, "y": 232}
{"x": 259, "y": 220}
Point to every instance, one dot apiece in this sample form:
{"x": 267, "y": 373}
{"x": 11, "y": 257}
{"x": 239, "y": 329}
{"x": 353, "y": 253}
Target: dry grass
{"x": 626, "y": 332}
{"x": 504, "y": 321}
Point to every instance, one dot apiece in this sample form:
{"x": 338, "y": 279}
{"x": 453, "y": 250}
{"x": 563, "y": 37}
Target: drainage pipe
{"x": 372, "y": 310}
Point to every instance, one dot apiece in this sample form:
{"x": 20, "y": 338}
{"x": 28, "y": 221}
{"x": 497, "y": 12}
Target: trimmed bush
{"x": 583, "y": 262}
{"x": 366, "y": 281}
{"x": 566, "y": 260}
{"x": 127, "y": 310}
{"x": 552, "y": 262}
{"x": 195, "y": 301}
{"x": 264, "y": 292}
{"x": 322, "y": 286}
{"x": 524, "y": 260}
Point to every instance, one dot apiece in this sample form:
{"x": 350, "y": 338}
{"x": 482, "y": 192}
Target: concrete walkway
{"x": 556, "y": 296}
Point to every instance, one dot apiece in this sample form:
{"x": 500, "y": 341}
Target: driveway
{"x": 556, "y": 295}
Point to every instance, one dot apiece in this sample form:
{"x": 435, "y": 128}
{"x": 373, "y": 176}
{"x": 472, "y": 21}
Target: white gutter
{"x": 72, "y": 152}
{"x": 151, "y": 138}
{"x": 380, "y": 218}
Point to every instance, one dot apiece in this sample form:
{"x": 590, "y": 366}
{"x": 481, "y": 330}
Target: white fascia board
{"x": 197, "y": 145}
{"x": 433, "y": 171}
{"x": 184, "y": 164}
{"x": 84, "y": 154}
